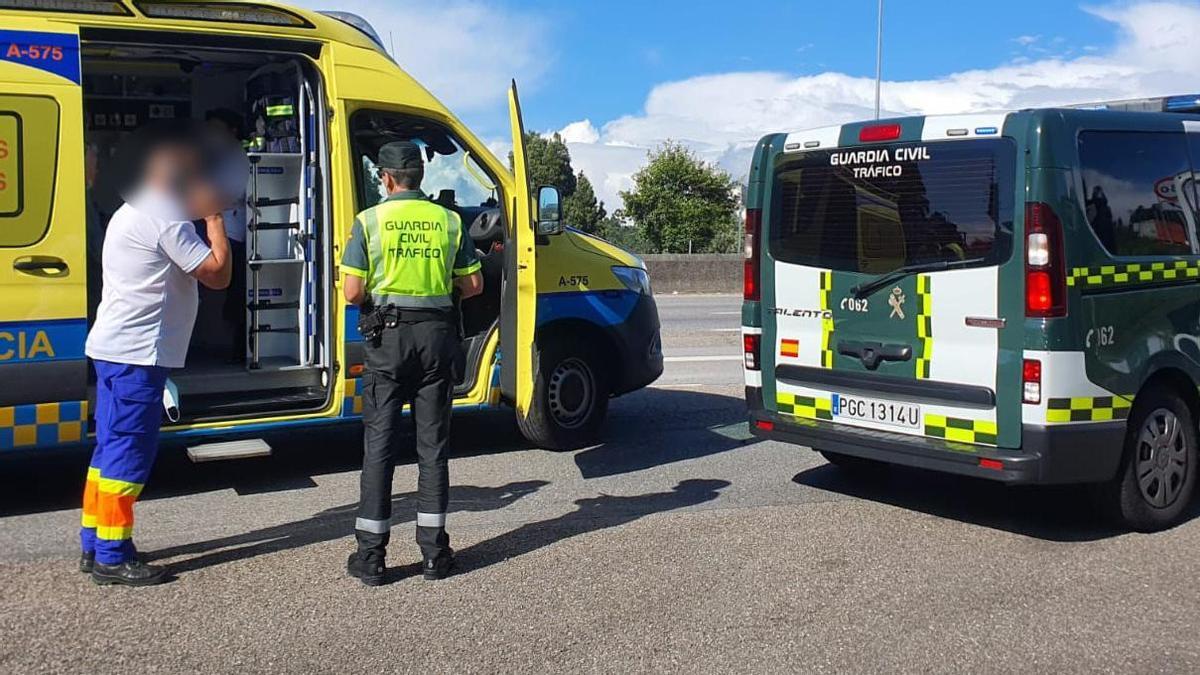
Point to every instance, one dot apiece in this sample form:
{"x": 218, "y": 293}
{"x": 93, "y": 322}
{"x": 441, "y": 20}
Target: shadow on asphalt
{"x": 53, "y": 480}
{"x": 646, "y": 428}
{"x": 593, "y": 514}
{"x": 335, "y": 523}
{"x": 653, "y": 427}
{"x": 1065, "y": 513}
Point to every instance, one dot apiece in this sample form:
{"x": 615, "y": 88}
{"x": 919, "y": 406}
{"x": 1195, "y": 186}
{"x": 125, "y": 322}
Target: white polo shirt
{"x": 148, "y": 306}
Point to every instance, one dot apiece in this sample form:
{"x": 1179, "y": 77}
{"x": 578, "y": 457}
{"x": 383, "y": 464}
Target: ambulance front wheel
{"x": 1158, "y": 470}
{"x": 570, "y": 397}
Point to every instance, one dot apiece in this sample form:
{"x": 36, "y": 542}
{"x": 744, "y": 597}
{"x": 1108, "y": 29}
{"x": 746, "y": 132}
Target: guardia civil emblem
{"x": 896, "y": 300}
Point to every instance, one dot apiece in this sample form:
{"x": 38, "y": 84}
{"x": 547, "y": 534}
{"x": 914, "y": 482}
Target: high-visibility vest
{"x": 411, "y": 245}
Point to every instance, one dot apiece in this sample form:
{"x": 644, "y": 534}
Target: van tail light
{"x": 750, "y": 347}
{"x": 879, "y": 132}
{"x": 1045, "y": 271}
{"x": 751, "y": 285}
{"x": 1031, "y": 381}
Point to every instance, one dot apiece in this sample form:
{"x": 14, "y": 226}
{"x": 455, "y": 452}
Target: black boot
{"x": 87, "y": 561}
{"x": 437, "y": 568}
{"x": 128, "y": 573}
{"x": 367, "y": 567}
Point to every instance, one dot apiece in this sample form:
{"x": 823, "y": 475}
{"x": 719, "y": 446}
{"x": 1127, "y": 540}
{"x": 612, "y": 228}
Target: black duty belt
{"x": 394, "y": 315}
{"x": 374, "y": 320}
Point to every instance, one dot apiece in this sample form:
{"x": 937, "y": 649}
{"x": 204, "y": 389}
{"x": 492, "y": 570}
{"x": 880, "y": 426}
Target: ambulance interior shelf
{"x": 280, "y": 227}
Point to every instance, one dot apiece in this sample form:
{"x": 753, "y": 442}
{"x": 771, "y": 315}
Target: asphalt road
{"x": 677, "y": 545}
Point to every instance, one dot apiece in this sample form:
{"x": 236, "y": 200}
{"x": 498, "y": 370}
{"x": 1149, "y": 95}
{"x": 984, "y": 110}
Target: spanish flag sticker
{"x": 789, "y": 348}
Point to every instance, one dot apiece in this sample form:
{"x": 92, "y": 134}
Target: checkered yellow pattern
{"x": 43, "y": 424}
{"x": 805, "y": 406}
{"x": 826, "y": 320}
{"x": 961, "y": 430}
{"x": 1088, "y": 409}
{"x": 352, "y": 403}
{"x": 924, "y": 326}
{"x": 1135, "y": 273}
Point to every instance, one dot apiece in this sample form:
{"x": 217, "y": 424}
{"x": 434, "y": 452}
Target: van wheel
{"x": 852, "y": 464}
{"x": 1158, "y": 469}
{"x": 570, "y": 399}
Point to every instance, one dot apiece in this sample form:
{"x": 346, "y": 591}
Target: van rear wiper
{"x": 868, "y": 287}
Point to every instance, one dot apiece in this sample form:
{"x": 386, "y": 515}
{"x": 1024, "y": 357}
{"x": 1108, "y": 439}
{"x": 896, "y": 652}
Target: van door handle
{"x": 42, "y": 266}
{"x": 873, "y": 353}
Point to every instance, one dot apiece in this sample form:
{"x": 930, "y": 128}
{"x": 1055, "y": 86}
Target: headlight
{"x": 634, "y": 278}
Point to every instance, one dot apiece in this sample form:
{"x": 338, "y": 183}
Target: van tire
{"x": 1153, "y": 453}
{"x": 570, "y": 397}
{"x": 852, "y": 464}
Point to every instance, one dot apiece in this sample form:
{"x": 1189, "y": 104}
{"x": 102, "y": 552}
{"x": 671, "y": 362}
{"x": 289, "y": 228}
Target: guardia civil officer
{"x": 405, "y": 258}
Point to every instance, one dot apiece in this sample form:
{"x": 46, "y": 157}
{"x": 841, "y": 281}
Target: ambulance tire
{"x": 853, "y": 465}
{"x": 1148, "y": 493}
{"x": 570, "y": 397}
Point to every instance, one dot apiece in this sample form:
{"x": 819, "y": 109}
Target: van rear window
{"x": 878, "y": 208}
{"x": 1138, "y": 191}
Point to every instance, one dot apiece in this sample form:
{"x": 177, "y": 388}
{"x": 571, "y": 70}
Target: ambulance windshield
{"x": 875, "y": 209}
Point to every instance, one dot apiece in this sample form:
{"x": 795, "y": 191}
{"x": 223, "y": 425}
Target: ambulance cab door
{"x": 43, "y": 265}
{"x": 518, "y": 314}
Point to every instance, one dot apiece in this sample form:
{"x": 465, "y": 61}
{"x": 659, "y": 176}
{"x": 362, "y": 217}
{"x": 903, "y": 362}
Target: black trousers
{"x": 409, "y": 363}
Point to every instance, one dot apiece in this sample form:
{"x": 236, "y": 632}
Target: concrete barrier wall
{"x": 707, "y": 273}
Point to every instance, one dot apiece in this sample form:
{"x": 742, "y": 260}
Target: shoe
{"x": 87, "y": 561}
{"x": 437, "y": 568}
{"x": 128, "y": 573}
{"x": 367, "y": 567}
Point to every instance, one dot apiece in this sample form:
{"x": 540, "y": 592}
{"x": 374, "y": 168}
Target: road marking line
{"x": 726, "y": 313}
{"x": 702, "y": 359}
{"x": 725, "y": 330}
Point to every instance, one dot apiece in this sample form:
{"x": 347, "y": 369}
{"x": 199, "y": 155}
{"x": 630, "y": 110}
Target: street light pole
{"x": 878, "y": 57}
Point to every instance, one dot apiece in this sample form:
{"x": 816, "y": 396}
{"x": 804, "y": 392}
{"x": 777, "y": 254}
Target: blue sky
{"x": 607, "y": 56}
{"x": 620, "y": 77}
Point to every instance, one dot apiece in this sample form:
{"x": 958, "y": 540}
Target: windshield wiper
{"x": 868, "y": 287}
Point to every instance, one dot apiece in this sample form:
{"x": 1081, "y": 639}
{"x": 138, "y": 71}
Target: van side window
{"x": 1137, "y": 192}
{"x": 28, "y": 156}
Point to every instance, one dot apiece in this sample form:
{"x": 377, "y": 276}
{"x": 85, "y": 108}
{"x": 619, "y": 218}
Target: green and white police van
{"x": 1013, "y": 296}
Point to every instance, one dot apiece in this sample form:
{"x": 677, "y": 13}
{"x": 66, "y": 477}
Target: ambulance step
{"x": 211, "y": 452}
{"x": 282, "y": 329}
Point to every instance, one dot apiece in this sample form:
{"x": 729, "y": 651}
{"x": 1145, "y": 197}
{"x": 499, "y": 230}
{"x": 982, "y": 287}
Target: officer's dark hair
{"x": 409, "y": 178}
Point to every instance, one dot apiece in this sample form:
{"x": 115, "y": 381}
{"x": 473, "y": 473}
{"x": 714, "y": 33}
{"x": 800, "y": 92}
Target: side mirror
{"x": 549, "y": 215}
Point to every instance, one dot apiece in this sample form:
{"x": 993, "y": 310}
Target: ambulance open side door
{"x": 518, "y": 314}
{"x": 43, "y": 235}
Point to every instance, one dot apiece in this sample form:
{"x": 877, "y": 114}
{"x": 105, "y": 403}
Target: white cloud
{"x": 464, "y": 51}
{"x": 582, "y": 131}
{"x": 721, "y": 116}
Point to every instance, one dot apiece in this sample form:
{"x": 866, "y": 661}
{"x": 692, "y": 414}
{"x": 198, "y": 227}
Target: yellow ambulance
{"x": 566, "y": 322}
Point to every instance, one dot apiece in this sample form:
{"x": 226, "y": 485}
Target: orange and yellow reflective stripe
{"x": 91, "y": 490}
{"x": 114, "y": 508}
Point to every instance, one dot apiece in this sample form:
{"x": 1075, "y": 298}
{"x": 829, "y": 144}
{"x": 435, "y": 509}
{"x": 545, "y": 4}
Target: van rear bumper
{"x": 1081, "y": 453}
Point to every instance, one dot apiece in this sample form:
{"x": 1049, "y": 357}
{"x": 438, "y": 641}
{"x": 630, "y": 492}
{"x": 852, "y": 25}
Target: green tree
{"x": 581, "y": 209}
{"x": 549, "y": 162}
{"x": 627, "y": 237}
{"x": 680, "y": 203}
